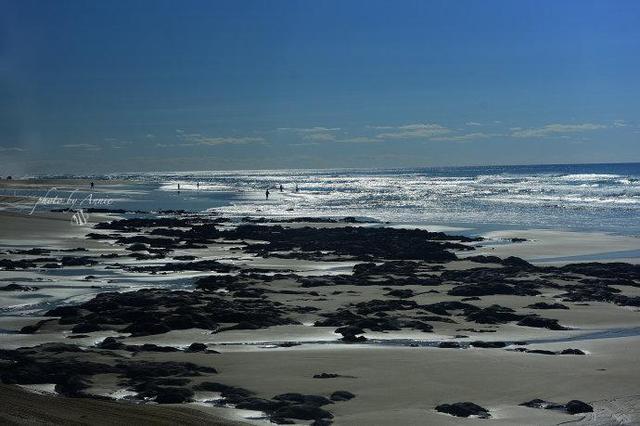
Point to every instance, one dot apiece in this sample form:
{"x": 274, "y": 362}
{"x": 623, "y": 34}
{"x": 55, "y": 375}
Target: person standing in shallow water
{"x": 91, "y": 185}
{"x": 281, "y": 189}
{"x": 266, "y": 194}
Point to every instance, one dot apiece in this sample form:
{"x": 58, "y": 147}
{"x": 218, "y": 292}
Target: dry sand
{"x": 20, "y": 407}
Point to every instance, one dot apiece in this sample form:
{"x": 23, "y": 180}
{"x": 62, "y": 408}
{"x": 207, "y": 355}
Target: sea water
{"x": 589, "y": 197}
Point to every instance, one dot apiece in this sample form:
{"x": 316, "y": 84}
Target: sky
{"x": 125, "y": 86}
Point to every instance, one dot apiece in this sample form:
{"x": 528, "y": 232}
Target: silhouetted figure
{"x": 91, "y": 185}
{"x": 178, "y": 187}
{"x": 297, "y": 187}
{"x": 281, "y": 188}
{"x": 198, "y": 186}
{"x": 266, "y": 194}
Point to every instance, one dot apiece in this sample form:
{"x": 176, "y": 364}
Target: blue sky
{"x": 96, "y": 87}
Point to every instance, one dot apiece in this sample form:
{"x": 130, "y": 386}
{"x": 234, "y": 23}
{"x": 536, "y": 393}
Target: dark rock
{"x": 72, "y": 386}
{"x": 298, "y": 398}
{"x": 31, "y": 329}
{"x": 184, "y": 257}
{"x": 350, "y": 334}
{"x": 518, "y": 263}
{"x": 572, "y": 352}
{"x": 571, "y": 407}
{"x": 484, "y": 259}
{"x": 150, "y": 347}
{"x": 235, "y": 395}
{"x": 138, "y": 247}
{"x": 540, "y": 352}
{"x": 464, "y": 409}
{"x": 342, "y": 396}
{"x": 357, "y": 242}
{"x": 480, "y": 344}
{"x": 64, "y": 311}
{"x": 86, "y": 328}
{"x": 17, "y": 287}
{"x": 196, "y": 347}
{"x": 576, "y": 407}
{"x": 143, "y": 370}
{"x": 544, "y": 305}
{"x": 494, "y": 314}
{"x": 111, "y": 343}
{"x": 539, "y": 322}
{"x": 491, "y": 288}
{"x": 146, "y": 328}
{"x": 326, "y": 376}
{"x": 173, "y": 395}
{"x": 259, "y": 404}
{"x": 77, "y": 261}
{"x": 401, "y": 293}
{"x": 445, "y": 308}
{"x": 155, "y": 311}
{"x": 302, "y": 412}
{"x": 604, "y": 270}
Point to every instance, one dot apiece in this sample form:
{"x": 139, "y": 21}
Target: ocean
{"x": 585, "y": 197}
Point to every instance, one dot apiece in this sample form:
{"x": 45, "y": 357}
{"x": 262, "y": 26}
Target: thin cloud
{"x": 319, "y": 137}
{"x": 82, "y": 146}
{"x": 472, "y": 123}
{"x": 200, "y": 139}
{"x": 308, "y": 129}
{"x": 359, "y": 139}
{"x": 415, "y": 131}
{"x": 465, "y": 137}
{"x": 555, "y": 130}
{"x": 118, "y": 143}
{"x": 10, "y": 149}
{"x": 380, "y": 127}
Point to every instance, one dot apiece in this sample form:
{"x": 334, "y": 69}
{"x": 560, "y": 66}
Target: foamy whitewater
{"x": 593, "y": 197}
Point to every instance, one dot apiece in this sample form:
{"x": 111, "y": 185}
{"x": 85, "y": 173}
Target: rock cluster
{"x": 155, "y": 311}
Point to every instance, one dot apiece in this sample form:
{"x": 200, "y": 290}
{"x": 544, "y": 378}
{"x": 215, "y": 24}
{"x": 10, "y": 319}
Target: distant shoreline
{"x": 342, "y": 169}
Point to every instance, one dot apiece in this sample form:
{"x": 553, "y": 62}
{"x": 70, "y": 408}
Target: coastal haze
{"x": 349, "y": 213}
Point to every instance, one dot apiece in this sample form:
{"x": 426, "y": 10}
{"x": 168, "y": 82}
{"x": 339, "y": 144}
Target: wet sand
{"x": 393, "y": 383}
{"x": 554, "y": 247}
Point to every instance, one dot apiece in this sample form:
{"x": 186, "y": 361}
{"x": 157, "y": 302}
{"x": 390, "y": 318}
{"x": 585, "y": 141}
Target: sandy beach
{"x": 196, "y": 318}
